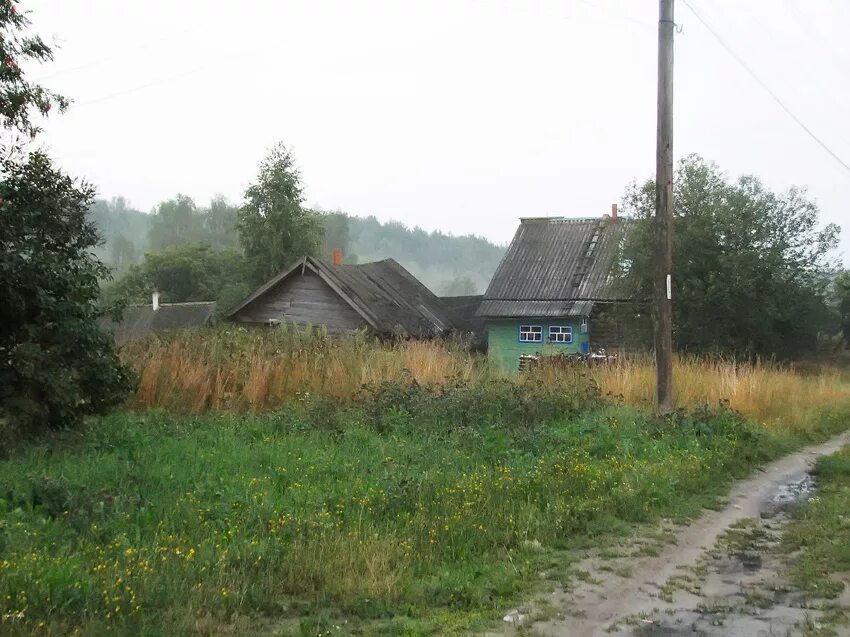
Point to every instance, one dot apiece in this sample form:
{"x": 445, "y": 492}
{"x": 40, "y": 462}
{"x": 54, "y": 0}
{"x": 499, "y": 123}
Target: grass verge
{"x": 416, "y": 511}
{"x": 820, "y": 532}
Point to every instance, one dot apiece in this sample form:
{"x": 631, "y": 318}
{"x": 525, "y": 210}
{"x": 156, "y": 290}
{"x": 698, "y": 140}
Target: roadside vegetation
{"x": 819, "y": 534}
{"x": 398, "y": 490}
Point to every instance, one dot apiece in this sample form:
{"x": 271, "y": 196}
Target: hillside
{"x": 447, "y": 264}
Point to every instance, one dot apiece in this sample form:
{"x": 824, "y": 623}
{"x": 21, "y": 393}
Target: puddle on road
{"x": 787, "y": 495}
{"x": 742, "y": 591}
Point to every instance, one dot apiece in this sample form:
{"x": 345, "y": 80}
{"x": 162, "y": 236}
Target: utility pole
{"x": 664, "y": 211}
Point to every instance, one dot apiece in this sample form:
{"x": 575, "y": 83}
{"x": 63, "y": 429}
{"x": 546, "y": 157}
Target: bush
{"x": 56, "y": 364}
{"x": 501, "y": 402}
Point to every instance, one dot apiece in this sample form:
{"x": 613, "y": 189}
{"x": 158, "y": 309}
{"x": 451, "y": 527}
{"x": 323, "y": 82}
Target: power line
{"x": 111, "y": 58}
{"x": 767, "y": 89}
{"x": 170, "y": 78}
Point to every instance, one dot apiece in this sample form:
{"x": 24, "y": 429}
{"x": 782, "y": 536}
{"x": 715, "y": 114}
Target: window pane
{"x": 560, "y": 333}
{"x": 531, "y": 333}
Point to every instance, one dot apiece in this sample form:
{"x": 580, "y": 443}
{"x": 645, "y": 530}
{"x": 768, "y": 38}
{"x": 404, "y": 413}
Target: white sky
{"x": 459, "y": 115}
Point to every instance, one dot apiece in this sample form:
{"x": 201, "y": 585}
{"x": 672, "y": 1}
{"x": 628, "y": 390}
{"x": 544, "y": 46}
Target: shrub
{"x": 56, "y": 364}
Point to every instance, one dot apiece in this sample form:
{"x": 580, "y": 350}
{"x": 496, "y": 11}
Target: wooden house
{"x": 381, "y": 297}
{"x": 551, "y": 287}
{"x": 138, "y": 321}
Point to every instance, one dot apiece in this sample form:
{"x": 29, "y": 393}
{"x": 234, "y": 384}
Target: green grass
{"x": 389, "y": 520}
{"x": 820, "y": 530}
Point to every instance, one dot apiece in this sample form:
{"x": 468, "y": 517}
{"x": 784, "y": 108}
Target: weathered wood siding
{"x": 303, "y": 299}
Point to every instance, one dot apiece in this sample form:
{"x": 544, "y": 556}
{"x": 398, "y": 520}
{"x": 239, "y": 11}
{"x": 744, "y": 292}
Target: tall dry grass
{"x": 764, "y": 391}
{"x": 242, "y": 369}
{"x": 234, "y": 368}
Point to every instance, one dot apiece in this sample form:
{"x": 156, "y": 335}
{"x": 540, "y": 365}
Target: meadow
{"x": 290, "y": 484}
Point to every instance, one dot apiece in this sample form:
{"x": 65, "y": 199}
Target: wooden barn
{"x": 381, "y": 297}
{"x": 552, "y": 289}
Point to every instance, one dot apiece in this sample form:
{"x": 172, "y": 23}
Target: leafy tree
{"x": 188, "y": 272}
{"x": 56, "y": 364}
{"x": 842, "y": 299}
{"x": 176, "y": 221}
{"x": 122, "y": 253}
{"x": 19, "y": 98}
{"x": 220, "y": 224}
{"x": 750, "y": 272}
{"x": 118, "y": 223}
{"x": 274, "y": 227}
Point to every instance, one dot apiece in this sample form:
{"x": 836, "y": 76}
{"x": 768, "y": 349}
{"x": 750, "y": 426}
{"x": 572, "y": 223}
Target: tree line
{"x": 754, "y": 271}
{"x": 222, "y": 251}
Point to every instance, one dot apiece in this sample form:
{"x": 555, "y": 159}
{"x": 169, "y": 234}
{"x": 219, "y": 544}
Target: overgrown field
{"x": 274, "y": 483}
{"x": 410, "y": 512}
{"x": 241, "y": 370}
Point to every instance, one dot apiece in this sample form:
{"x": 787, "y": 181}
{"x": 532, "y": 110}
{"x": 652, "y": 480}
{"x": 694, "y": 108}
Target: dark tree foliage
{"x": 841, "y": 292}
{"x": 751, "y": 267}
{"x": 188, "y": 272}
{"x": 56, "y": 364}
{"x": 19, "y": 98}
{"x": 274, "y": 227}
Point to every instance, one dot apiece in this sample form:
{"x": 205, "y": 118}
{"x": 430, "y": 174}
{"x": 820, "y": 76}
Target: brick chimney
{"x": 614, "y": 210}
{"x": 337, "y": 256}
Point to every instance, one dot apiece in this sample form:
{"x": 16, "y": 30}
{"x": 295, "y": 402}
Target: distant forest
{"x": 449, "y": 265}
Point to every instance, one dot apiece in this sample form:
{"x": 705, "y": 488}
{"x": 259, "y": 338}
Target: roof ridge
{"x": 560, "y": 219}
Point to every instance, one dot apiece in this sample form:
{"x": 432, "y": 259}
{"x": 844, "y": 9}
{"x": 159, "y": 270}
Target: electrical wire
{"x": 766, "y": 88}
{"x": 170, "y": 78}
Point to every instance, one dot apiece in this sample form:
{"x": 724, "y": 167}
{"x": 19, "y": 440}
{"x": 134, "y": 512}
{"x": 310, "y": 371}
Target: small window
{"x": 560, "y": 334}
{"x": 530, "y": 333}
{"x": 584, "y": 325}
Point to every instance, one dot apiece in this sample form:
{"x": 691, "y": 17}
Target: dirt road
{"x": 672, "y": 592}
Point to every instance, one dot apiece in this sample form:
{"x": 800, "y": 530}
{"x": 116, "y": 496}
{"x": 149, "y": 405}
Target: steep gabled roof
{"x": 141, "y": 320}
{"x": 556, "y": 267}
{"x": 388, "y": 297}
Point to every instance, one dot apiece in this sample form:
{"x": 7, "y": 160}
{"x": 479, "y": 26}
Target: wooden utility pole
{"x": 664, "y": 210}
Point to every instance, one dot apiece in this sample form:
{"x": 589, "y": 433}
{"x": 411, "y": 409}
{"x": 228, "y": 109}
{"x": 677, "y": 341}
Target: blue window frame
{"x": 530, "y": 333}
{"x": 561, "y": 334}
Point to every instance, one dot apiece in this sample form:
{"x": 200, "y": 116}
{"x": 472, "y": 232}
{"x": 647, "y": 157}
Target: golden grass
{"x": 766, "y": 392}
{"x": 237, "y": 369}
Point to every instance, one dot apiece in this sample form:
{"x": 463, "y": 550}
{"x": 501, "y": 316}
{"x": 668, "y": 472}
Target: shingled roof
{"x": 388, "y": 297}
{"x": 141, "y": 320}
{"x": 556, "y": 267}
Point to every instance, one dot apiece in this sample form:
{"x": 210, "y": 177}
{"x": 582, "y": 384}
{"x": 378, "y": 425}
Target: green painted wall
{"x": 504, "y": 348}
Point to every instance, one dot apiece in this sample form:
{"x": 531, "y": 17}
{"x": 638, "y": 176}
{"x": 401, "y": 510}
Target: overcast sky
{"x": 460, "y": 115}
